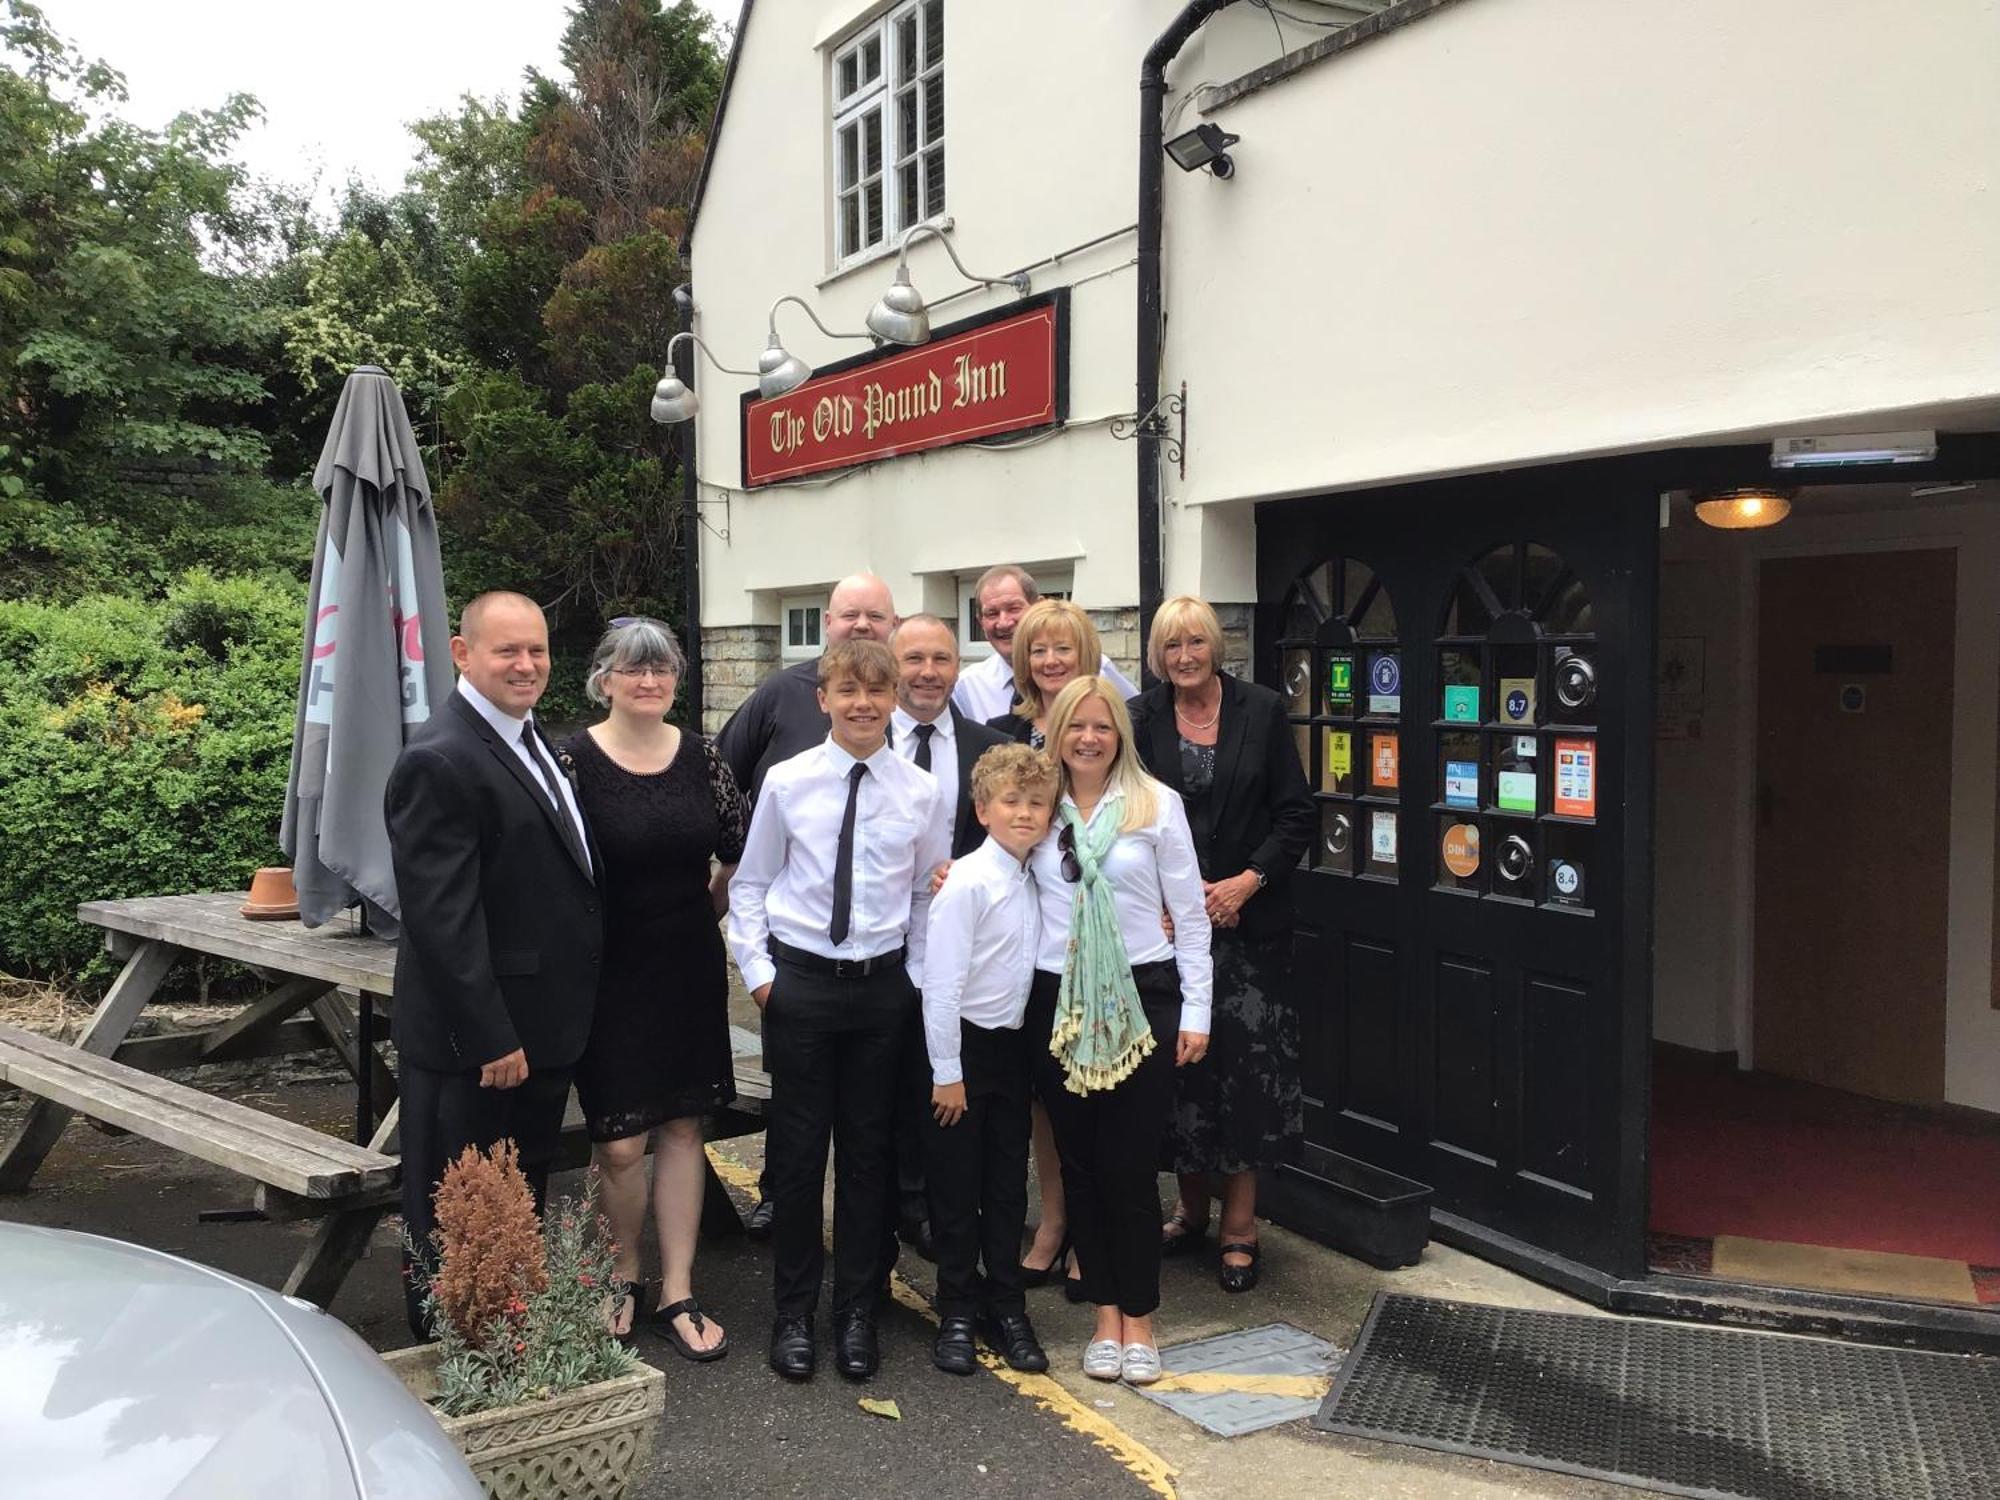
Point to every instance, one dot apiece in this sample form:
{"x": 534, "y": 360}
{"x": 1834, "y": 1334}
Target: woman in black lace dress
{"x": 1226, "y": 747}
{"x": 661, "y": 804}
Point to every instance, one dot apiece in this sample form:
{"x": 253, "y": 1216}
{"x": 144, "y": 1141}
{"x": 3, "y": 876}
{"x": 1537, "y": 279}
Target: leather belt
{"x": 836, "y": 968}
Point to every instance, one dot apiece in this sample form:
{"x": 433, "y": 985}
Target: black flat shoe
{"x": 1073, "y": 1289}
{"x": 916, "y": 1233}
{"x": 953, "y": 1350}
{"x": 662, "y": 1324}
{"x": 856, "y": 1354}
{"x": 792, "y": 1348}
{"x": 1179, "y": 1236}
{"x": 758, "y": 1225}
{"x": 1239, "y": 1278}
{"x": 1034, "y": 1276}
{"x": 1014, "y": 1337}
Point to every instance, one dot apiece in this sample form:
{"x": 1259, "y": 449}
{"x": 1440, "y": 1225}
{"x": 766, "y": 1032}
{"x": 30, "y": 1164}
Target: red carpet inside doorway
{"x": 1769, "y": 1158}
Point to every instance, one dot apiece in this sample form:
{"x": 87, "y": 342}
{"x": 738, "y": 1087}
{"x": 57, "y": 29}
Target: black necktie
{"x": 923, "y": 755}
{"x": 572, "y": 835}
{"x": 843, "y": 867}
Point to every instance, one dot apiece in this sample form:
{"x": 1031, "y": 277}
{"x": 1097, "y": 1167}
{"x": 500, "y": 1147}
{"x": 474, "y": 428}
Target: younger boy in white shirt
{"x": 984, "y": 932}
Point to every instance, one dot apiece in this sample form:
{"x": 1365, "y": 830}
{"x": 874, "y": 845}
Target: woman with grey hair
{"x": 662, "y": 804}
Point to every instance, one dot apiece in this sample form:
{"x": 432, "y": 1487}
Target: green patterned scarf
{"x": 1101, "y": 1033}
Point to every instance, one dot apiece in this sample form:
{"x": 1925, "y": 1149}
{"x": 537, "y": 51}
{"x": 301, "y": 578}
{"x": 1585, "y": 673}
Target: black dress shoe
{"x": 792, "y": 1348}
{"x": 855, "y": 1351}
{"x": 758, "y": 1225}
{"x": 1014, "y": 1336}
{"x": 916, "y": 1233}
{"x": 954, "y": 1352}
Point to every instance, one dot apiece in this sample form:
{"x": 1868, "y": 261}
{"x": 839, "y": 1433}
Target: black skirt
{"x": 1239, "y": 1108}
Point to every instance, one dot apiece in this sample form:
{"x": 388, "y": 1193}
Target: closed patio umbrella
{"x": 377, "y": 653}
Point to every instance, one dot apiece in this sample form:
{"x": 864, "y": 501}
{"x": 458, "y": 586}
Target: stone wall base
{"x": 734, "y": 659}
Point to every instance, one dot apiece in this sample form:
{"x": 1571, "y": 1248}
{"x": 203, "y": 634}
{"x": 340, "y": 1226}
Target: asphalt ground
{"x": 733, "y": 1428}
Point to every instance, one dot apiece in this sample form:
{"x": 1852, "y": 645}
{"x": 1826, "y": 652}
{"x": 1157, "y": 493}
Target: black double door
{"x": 1468, "y": 670}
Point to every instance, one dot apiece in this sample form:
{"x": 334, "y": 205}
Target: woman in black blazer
{"x": 1225, "y": 746}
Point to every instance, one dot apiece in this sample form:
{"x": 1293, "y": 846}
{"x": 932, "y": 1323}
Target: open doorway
{"x": 1827, "y": 1017}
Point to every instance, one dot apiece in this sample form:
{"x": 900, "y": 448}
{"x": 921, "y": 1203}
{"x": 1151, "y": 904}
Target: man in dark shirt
{"x": 782, "y": 718}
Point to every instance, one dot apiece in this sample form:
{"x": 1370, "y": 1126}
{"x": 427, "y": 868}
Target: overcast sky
{"x": 337, "y": 81}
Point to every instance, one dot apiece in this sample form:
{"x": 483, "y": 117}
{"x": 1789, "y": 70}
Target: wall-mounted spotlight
{"x": 1749, "y": 508}
{"x": 1206, "y": 145}
{"x": 673, "y": 401}
{"x": 777, "y": 371}
{"x": 901, "y": 316}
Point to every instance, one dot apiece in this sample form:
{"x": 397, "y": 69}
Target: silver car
{"x": 128, "y": 1374}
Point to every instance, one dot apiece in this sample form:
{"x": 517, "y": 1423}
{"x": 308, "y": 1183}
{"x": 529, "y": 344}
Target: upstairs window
{"x": 888, "y": 127}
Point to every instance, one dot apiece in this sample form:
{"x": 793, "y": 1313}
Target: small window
{"x": 799, "y": 633}
{"x": 888, "y": 128}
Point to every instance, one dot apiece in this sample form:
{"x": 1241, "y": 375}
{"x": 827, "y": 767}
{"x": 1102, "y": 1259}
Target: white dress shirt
{"x": 510, "y": 729}
{"x": 979, "y": 955}
{"x": 944, "y": 758}
{"x": 783, "y": 886}
{"x": 986, "y": 688}
{"x": 1150, "y": 869}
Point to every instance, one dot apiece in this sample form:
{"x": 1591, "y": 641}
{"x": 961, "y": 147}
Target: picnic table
{"x": 325, "y": 986}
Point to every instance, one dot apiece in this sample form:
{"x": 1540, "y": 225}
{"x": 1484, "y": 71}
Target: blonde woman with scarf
{"x": 1121, "y": 1007}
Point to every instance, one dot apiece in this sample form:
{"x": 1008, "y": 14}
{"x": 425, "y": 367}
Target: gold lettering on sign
{"x": 884, "y": 408}
{"x": 788, "y": 432}
{"x": 976, "y": 383}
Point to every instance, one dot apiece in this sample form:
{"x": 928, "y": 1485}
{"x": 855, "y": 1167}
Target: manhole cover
{"x": 1244, "y": 1382}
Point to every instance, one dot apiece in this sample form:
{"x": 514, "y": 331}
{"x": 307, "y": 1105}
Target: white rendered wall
{"x": 1704, "y": 892}
{"x": 1040, "y": 110}
{"x": 1524, "y": 229}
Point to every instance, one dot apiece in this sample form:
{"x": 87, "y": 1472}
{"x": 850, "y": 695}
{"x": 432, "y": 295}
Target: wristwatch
{"x": 1262, "y": 879}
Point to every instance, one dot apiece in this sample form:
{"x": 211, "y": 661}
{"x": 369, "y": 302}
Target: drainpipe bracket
{"x": 1166, "y": 424}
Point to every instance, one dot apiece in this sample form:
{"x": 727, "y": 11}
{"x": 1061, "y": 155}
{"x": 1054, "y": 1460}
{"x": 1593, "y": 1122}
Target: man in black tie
{"x": 497, "y": 964}
{"x": 928, "y": 731}
{"x": 826, "y": 923}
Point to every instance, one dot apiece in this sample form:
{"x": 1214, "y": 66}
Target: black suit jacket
{"x": 501, "y": 938}
{"x": 1259, "y": 811}
{"x": 973, "y": 740}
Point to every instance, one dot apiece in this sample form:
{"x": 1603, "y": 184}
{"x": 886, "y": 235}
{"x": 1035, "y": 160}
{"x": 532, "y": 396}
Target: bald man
{"x": 497, "y": 962}
{"x": 783, "y": 717}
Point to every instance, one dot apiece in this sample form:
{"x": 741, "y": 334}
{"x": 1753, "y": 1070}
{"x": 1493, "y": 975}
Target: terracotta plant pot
{"x": 273, "y": 898}
{"x": 586, "y": 1444}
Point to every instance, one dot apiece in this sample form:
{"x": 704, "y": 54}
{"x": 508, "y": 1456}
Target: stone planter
{"x": 586, "y": 1444}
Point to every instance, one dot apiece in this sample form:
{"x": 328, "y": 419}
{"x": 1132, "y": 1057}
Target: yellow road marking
{"x": 1207, "y": 1382}
{"x": 1141, "y": 1461}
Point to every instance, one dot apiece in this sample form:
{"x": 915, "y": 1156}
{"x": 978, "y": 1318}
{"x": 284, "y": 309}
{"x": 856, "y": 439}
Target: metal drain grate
{"x": 1243, "y": 1382}
{"x": 1671, "y": 1406}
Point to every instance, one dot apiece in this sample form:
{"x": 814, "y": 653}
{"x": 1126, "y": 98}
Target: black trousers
{"x": 442, "y": 1114}
{"x": 979, "y": 1179}
{"x": 832, "y": 1047}
{"x": 911, "y": 1200}
{"x": 1109, "y": 1143}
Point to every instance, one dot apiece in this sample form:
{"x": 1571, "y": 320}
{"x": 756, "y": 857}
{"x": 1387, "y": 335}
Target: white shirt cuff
{"x": 757, "y": 973}
{"x": 1194, "y": 1016}
{"x": 947, "y": 1070}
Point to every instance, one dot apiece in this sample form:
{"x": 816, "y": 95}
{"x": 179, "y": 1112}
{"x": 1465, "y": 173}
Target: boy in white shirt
{"x": 984, "y": 933}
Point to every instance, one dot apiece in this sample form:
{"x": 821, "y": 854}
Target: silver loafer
{"x": 1104, "y": 1361}
{"x": 1140, "y": 1364}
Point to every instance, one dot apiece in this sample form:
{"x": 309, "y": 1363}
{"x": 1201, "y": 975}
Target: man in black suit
{"x": 497, "y": 965}
{"x": 782, "y": 717}
{"x": 926, "y": 728}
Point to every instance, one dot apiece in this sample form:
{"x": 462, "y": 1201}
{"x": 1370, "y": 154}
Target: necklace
{"x": 1196, "y": 724}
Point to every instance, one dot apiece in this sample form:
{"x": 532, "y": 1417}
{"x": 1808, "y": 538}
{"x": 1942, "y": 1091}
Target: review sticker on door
{"x": 1576, "y": 778}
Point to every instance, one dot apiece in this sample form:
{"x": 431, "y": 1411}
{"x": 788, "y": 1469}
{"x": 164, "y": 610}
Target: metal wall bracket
{"x": 702, "y": 507}
{"x": 1155, "y": 424}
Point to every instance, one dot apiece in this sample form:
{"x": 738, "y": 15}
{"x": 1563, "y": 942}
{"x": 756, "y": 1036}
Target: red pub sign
{"x": 1001, "y": 372}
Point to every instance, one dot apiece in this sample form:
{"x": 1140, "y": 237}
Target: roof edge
{"x": 715, "y": 128}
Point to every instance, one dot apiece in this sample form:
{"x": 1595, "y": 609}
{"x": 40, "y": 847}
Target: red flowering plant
{"x": 518, "y": 1305}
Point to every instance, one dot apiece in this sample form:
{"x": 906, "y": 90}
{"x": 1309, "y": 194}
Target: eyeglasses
{"x": 639, "y": 674}
{"x": 1072, "y": 867}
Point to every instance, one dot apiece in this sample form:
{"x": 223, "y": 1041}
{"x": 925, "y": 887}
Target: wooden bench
{"x": 290, "y": 1158}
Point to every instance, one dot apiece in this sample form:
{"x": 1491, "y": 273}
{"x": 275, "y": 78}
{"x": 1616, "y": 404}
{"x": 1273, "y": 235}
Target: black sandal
{"x": 1178, "y": 1236}
{"x": 636, "y": 1291}
{"x": 662, "y": 1324}
{"x": 1239, "y": 1278}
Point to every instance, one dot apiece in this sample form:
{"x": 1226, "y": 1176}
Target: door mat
{"x": 1676, "y": 1407}
{"x": 1244, "y": 1382}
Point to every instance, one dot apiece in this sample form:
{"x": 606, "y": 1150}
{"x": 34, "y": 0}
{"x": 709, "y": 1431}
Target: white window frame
{"x": 886, "y": 81}
{"x": 808, "y": 613}
{"x": 1054, "y": 583}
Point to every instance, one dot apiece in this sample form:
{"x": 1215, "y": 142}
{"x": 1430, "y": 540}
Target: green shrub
{"x": 143, "y": 751}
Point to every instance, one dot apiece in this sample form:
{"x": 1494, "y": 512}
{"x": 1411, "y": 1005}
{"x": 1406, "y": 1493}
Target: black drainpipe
{"x": 690, "y": 689}
{"x": 1152, "y": 97}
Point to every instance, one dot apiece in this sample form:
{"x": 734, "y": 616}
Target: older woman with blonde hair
{"x": 1120, "y": 1005}
{"x": 1224, "y": 745}
{"x": 1054, "y": 644}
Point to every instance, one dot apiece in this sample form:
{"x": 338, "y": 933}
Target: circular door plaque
{"x": 1461, "y": 850}
{"x": 1576, "y": 682}
{"x": 1338, "y": 834}
{"x": 1516, "y": 859}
